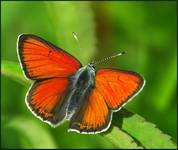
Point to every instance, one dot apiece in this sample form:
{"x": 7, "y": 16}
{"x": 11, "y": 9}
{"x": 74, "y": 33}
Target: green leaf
{"x": 13, "y": 71}
{"x": 28, "y": 133}
{"x": 145, "y": 132}
{"x": 121, "y": 140}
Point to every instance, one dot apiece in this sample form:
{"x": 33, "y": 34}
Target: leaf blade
{"x": 145, "y": 132}
{"x": 121, "y": 140}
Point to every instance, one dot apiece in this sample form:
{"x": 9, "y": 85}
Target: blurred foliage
{"x": 13, "y": 71}
{"x": 146, "y": 30}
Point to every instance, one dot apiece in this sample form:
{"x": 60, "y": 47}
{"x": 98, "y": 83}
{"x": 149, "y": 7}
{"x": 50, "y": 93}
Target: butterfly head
{"x": 90, "y": 70}
{"x": 90, "y": 66}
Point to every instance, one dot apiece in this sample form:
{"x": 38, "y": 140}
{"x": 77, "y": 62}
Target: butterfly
{"x": 63, "y": 89}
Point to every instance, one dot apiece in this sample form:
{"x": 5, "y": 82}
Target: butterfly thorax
{"x": 81, "y": 84}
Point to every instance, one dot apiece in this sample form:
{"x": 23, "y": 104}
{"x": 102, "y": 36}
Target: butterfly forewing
{"x": 118, "y": 86}
{"x": 41, "y": 59}
{"x": 45, "y": 95}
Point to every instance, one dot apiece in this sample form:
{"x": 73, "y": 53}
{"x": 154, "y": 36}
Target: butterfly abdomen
{"x": 81, "y": 84}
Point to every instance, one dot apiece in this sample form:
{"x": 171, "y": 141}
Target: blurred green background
{"x": 146, "y": 30}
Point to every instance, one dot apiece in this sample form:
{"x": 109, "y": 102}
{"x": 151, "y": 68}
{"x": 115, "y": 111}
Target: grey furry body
{"x": 81, "y": 84}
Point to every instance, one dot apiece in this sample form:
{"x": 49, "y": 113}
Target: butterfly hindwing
{"x": 44, "y": 96}
{"x": 41, "y": 59}
{"x": 93, "y": 117}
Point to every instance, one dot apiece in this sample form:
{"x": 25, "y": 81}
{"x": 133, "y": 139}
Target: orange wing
{"x": 41, "y": 59}
{"x": 45, "y": 96}
{"x": 118, "y": 86}
{"x": 93, "y": 117}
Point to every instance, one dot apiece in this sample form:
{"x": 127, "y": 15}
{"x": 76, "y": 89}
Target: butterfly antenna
{"x": 76, "y": 38}
{"x": 107, "y": 58}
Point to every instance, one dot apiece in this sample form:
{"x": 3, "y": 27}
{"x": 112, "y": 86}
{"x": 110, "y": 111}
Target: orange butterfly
{"x": 63, "y": 89}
